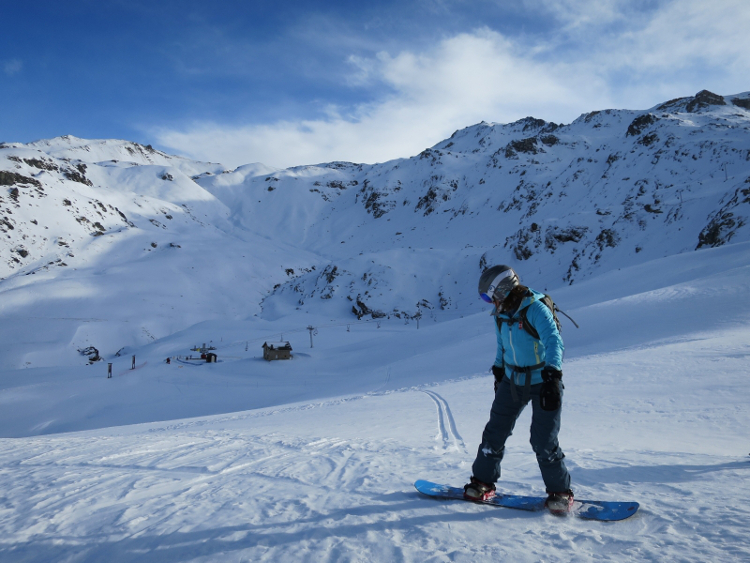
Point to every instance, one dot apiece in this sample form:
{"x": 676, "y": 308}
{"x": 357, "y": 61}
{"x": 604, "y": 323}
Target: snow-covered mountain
{"x": 635, "y": 221}
{"x": 155, "y": 243}
{"x": 562, "y": 202}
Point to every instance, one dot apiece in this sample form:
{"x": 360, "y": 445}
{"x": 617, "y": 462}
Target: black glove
{"x": 499, "y": 373}
{"x": 550, "y": 395}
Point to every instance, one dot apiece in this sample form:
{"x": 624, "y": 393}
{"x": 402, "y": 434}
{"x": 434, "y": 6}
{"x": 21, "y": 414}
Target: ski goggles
{"x": 494, "y": 286}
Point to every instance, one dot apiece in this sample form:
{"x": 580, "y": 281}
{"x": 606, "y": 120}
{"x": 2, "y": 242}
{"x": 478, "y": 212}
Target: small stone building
{"x": 277, "y": 351}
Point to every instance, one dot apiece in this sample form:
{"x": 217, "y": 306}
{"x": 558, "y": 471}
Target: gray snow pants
{"x": 545, "y": 426}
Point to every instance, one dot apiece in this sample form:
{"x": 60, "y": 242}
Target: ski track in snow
{"x": 447, "y": 431}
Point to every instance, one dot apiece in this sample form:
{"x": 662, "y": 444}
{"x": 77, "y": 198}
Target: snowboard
{"x": 605, "y": 511}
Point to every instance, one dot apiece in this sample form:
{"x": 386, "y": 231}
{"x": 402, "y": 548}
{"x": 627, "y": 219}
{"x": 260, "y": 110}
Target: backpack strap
{"x": 522, "y": 320}
{"x": 567, "y": 315}
{"x": 526, "y": 325}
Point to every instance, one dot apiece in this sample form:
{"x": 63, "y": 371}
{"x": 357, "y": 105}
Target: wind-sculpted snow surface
{"x": 332, "y": 480}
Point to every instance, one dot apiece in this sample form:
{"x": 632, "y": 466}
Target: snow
{"x": 314, "y": 458}
{"x": 326, "y": 473}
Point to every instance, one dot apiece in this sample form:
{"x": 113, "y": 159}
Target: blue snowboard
{"x": 589, "y": 509}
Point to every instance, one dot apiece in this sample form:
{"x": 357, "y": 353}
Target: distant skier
{"x": 525, "y": 369}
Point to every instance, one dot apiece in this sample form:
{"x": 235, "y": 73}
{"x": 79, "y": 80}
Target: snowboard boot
{"x": 478, "y": 491}
{"x": 560, "y": 503}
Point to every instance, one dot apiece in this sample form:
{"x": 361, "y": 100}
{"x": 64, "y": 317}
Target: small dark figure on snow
{"x": 528, "y": 367}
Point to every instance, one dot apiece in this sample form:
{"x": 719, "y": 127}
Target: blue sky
{"x": 287, "y": 83}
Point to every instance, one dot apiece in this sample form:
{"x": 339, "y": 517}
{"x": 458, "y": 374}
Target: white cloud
{"x": 465, "y": 79}
{"x": 641, "y": 59}
{"x": 12, "y": 67}
{"x": 664, "y": 38}
{"x": 685, "y": 32}
{"x": 683, "y": 46}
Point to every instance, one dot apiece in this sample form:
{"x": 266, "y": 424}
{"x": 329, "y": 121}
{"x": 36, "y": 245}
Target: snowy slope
{"x": 657, "y": 416}
{"x": 635, "y": 221}
{"x": 115, "y": 254}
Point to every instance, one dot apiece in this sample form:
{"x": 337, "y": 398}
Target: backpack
{"x": 526, "y": 325}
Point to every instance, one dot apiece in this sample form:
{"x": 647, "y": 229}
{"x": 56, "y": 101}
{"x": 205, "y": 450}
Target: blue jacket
{"x": 516, "y": 347}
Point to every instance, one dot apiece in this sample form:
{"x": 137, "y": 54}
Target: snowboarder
{"x": 525, "y": 369}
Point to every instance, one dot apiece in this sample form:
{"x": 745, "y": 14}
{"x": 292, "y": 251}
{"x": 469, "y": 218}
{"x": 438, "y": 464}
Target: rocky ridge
{"x": 406, "y": 237}
{"x": 563, "y": 202}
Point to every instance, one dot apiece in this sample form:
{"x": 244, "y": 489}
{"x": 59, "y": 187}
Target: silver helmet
{"x": 496, "y": 283}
